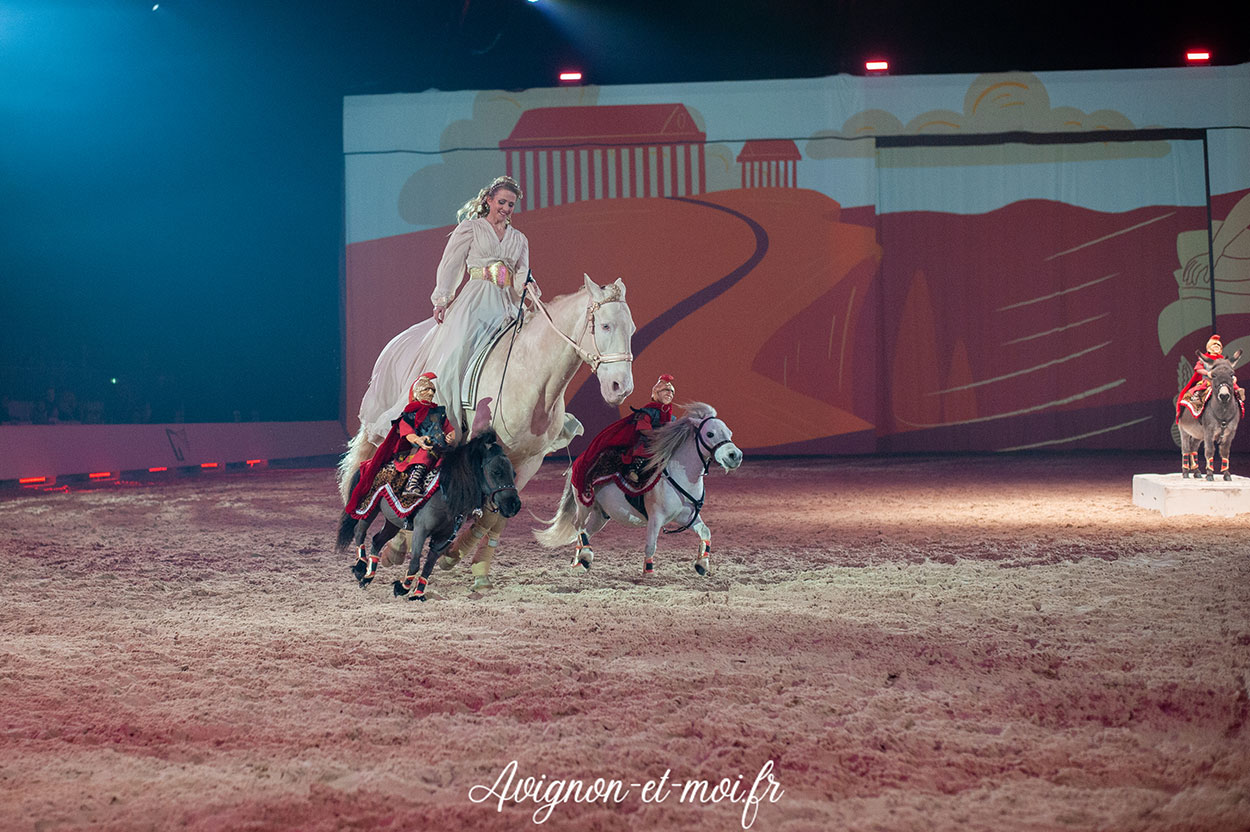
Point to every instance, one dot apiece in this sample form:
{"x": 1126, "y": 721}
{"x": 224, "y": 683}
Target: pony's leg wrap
{"x": 583, "y": 555}
{"x": 703, "y": 563}
{"x": 366, "y": 566}
{"x": 413, "y": 586}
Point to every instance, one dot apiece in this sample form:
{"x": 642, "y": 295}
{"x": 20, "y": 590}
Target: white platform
{"x": 1171, "y": 494}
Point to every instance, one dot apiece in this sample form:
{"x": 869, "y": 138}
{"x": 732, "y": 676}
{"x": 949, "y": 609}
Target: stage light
{"x": 31, "y": 480}
{"x": 1198, "y": 56}
{"x": 99, "y": 475}
{"x": 570, "y": 77}
{"x": 255, "y": 461}
{"x": 209, "y": 464}
{"x": 157, "y": 469}
{"x": 877, "y": 66}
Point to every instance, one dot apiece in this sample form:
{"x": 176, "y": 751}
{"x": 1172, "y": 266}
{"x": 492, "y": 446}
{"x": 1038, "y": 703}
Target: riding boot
{"x": 417, "y": 476}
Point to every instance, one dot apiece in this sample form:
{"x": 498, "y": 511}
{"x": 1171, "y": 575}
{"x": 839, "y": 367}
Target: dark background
{"x": 171, "y": 239}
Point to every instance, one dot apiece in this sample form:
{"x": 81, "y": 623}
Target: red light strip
{"x": 876, "y": 66}
{"x": 570, "y": 76}
{"x": 255, "y": 461}
{"x": 1197, "y": 55}
{"x": 31, "y": 480}
{"x": 209, "y": 464}
{"x": 154, "y": 470}
{"x": 99, "y": 475}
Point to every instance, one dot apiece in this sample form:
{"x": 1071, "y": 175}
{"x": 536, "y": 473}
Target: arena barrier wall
{"x": 32, "y": 451}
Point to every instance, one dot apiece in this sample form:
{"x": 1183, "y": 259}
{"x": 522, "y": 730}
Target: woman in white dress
{"x": 495, "y": 257}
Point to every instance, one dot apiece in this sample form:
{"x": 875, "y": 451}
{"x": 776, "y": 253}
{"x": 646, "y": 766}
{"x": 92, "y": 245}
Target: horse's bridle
{"x": 598, "y": 357}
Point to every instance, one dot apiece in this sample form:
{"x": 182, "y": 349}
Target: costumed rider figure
{"x": 1194, "y": 394}
{"x": 403, "y": 468}
{"x": 619, "y": 451}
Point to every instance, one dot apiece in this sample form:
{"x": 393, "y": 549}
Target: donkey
{"x": 471, "y": 477}
{"x": 1217, "y": 423}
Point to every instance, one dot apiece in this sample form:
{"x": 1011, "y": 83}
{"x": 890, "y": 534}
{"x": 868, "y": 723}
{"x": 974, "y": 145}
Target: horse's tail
{"x": 561, "y": 529}
{"x": 359, "y": 450}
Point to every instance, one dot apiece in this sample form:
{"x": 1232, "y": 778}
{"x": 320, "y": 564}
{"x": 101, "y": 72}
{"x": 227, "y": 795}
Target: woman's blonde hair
{"x": 479, "y": 206}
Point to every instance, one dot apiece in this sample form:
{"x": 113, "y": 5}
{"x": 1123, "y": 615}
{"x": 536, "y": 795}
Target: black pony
{"x": 474, "y": 475}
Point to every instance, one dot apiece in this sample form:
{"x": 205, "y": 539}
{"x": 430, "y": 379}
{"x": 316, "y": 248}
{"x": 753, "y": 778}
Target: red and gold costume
{"x": 1194, "y": 394}
{"x": 401, "y": 468}
{"x": 618, "y": 452}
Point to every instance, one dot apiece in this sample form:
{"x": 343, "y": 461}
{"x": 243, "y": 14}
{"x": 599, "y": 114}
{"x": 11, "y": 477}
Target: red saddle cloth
{"x": 1195, "y": 400}
{"x": 405, "y": 491}
{"x": 608, "y": 467}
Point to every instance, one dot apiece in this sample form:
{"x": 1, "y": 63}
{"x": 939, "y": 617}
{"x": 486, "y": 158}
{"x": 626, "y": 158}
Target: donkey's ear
{"x": 1236, "y": 355}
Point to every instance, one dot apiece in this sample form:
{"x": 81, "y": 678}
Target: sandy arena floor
{"x": 913, "y": 644}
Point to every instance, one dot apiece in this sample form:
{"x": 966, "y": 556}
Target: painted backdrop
{"x": 847, "y": 265}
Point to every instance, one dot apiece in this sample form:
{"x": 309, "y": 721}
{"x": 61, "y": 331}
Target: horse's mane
{"x": 459, "y": 472}
{"x": 663, "y": 442}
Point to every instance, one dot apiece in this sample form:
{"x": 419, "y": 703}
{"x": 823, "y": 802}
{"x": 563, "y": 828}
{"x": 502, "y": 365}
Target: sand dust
{"x": 921, "y": 643}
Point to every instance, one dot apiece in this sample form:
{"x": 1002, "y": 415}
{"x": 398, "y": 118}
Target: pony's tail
{"x": 347, "y": 530}
{"x": 359, "y": 450}
{"x": 560, "y": 530}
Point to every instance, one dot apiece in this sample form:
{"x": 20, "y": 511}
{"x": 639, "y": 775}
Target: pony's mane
{"x": 663, "y": 442}
{"x": 459, "y": 472}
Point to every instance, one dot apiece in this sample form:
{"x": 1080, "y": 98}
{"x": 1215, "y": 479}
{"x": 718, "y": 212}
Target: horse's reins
{"x": 695, "y": 502}
{"x": 595, "y": 360}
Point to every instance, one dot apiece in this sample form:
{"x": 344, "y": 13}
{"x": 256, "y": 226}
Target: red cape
{"x": 385, "y": 452}
{"x": 1194, "y": 379}
{"x": 622, "y": 433}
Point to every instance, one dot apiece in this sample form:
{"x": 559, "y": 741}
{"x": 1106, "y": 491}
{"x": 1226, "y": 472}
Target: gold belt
{"x": 496, "y": 272}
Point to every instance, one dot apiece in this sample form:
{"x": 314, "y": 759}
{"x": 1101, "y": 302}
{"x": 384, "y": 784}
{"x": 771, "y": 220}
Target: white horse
{"x": 592, "y": 326}
{"x": 681, "y": 452}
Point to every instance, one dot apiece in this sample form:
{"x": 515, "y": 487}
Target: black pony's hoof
{"x": 416, "y": 597}
{"x": 358, "y": 569}
{"x": 399, "y": 589}
{"x": 1184, "y": 475}
{"x": 1227, "y": 477}
{"x": 1210, "y": 477}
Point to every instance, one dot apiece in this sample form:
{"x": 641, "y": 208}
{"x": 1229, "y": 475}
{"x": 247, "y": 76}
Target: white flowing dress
{"x": 473, "y": 314}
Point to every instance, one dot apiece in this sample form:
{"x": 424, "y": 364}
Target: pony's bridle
{"x": 490, "y": 495}
{"x": 696, "y": 503}
{"x": 700, "y": 444}
{"x": 598, "y": 357}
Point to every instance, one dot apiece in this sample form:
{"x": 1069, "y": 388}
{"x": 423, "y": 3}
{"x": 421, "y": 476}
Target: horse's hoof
{"x": 416, "y": 597}
{"x": 482, "y": 582}
{"x": 648, "y": 568}
{"x": 364, "y": 582}
{"x": 399, "y": 589}
{"x": 1227, "y": 477}
{"x": 448, "y": 562}
{"x": 701, "y": 566}
{"x": 1210, "y": 478}
{"x": 358, "y": 570}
